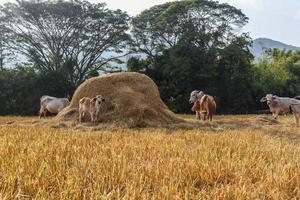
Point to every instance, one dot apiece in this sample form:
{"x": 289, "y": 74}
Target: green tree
{"x": 135, "y": 64}
{"x": 203, "y": 23}
{"x": 278, "y": 73}
{"x": 19, "y": 91}
{"x": 193, "y": 45}
{"x": 235, "y": 80}
{"x": 53, "y": 34}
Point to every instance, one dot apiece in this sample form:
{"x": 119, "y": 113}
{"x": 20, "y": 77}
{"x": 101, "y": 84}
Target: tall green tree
{"x": 53, "y": 34}
{"x": 203, "y": 23}
{"x": 235, "y": 79}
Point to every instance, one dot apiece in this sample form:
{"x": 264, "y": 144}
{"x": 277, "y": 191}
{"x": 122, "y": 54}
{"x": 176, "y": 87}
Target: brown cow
{"x": 208, "y": 106}
{"x": 200, "y": 113}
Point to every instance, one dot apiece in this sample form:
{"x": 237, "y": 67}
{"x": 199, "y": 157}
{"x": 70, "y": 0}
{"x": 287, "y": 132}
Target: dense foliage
{"x": 278, "y": 72}
{"x": 70, "y": 36}
{"x": 19, "y": 91}
{"x": 192, "y": 45}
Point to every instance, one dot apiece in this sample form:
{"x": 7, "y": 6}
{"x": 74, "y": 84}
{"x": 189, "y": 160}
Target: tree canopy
{"x": 202, "y": 23}
{"x": 194, "y": 44}
{"x": 74, "y": 37}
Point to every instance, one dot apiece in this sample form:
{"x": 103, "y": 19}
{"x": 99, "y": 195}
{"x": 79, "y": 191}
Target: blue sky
{"x": 275, "y": 19}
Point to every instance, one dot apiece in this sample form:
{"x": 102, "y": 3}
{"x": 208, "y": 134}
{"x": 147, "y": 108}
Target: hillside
{"x": 260, "y": 43}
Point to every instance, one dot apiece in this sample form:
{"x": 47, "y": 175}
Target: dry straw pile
{"x": 132, "y": 99}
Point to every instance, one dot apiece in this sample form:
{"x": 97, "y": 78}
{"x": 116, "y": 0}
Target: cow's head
{"x": 99, "y": 99}
{"x": 269, "y": 98}
{"x": 195, "y": 95}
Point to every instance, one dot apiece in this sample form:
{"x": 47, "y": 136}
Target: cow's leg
{"x": 198, "y": 115}
{"x": 97, "y": 116}
{"x": 275, "y": 114}
{"x": 80, "y": 116}
{"x": 45, "y": 112}
{"x": 41, "y": 112}
{"x": 92, "y": 117}
{"x": 210, "y": 117}
{"x": 203, "y": 116}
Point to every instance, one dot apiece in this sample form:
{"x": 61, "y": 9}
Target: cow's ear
{"x": 94, "y": 99}
{"x": 264, "y": 99}
{"x": 68, "y": 97}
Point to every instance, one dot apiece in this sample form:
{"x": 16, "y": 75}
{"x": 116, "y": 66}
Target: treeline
{"x": 182, "y": 46}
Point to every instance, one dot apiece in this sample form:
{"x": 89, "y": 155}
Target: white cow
{"x": 52, "y": 104}
{"x": 279, "y": 104}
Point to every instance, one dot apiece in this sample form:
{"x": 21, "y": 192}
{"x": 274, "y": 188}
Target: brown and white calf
{"x": 91, "y": 107}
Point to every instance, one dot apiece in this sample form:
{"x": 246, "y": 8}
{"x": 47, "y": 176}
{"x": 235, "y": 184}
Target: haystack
{"x": 132, "y": 99}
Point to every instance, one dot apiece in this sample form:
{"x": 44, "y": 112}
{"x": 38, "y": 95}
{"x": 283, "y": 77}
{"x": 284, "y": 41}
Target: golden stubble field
{"x": 236, "y": 157}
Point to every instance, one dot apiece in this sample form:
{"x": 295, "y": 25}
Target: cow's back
{"x": 53, "y": 104}
{"x": 285, "y": 103}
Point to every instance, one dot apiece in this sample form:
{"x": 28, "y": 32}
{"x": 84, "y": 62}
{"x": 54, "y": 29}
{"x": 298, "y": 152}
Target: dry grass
{"x": 236, "y": 162}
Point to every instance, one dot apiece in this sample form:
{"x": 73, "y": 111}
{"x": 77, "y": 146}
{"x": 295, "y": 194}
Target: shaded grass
{"x": 236, "y": 163}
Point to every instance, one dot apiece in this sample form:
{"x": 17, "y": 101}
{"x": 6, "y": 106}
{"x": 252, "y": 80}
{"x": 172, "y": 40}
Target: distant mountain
{"x": 261, "y": 43}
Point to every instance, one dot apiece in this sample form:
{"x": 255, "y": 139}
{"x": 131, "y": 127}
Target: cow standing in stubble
{"x": 204, "y": 105}
{"x": 282, "y": 104}
{"x": 52, "y": 105}
{"x": 279, "y": 104}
